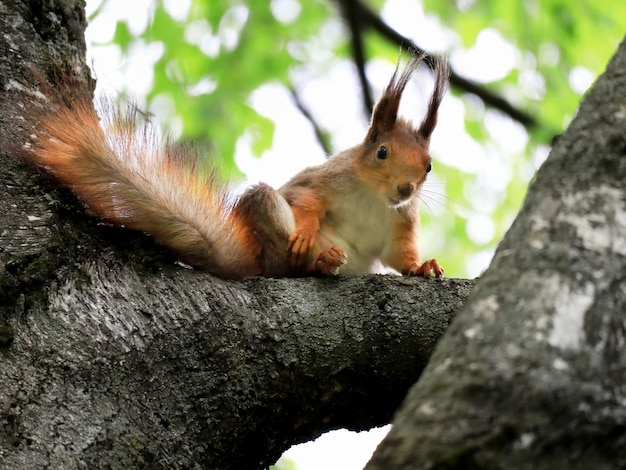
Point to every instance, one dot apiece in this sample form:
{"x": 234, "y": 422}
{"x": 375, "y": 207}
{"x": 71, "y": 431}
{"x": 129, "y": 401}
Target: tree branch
{"x": 320, "y": 134}
{"x": 187, "y": 370}
{"x": 350, "y": 10}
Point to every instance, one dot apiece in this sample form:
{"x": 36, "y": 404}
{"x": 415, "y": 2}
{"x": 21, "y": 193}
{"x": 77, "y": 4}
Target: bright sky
{"x": 341, "y": 449}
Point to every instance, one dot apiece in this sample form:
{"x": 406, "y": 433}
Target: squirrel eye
{"x": 429, "y": 167}
{"x": 382, "y": 153}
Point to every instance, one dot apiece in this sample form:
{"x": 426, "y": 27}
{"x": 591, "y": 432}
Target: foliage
{"x": 284, "y": 464}
{"x": 214, "y": 54}
{"x": 556, "y": 40}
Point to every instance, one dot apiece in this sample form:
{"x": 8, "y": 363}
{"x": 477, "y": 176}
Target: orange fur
{"x": 307, "y": 211}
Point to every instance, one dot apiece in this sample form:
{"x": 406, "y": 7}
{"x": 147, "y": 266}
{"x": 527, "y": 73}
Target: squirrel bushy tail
{"x": 125, "y": 174}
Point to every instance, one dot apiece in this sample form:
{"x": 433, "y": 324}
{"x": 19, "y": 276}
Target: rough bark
{"x": 112, "y": 355}
{"x": 530, "y": 375}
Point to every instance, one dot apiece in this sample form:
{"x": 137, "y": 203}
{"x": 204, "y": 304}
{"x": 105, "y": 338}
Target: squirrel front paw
{"x": 300, "y": 243}
{"x": 329, "y": 261}
{"x": 425, "y": 269}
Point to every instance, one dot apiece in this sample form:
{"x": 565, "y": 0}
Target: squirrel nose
{"x": 406, "y": 189}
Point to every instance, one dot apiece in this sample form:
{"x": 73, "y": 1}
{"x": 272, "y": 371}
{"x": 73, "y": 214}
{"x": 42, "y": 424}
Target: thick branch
{"x": 183, "y": 369}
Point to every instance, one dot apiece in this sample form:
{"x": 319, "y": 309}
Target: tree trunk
{"x": 531, "y": 374}
{"x": 112, "y": 355}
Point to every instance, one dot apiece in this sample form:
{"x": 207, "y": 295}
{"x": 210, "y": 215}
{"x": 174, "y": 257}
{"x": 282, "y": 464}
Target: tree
{"x": 114, "y": 356}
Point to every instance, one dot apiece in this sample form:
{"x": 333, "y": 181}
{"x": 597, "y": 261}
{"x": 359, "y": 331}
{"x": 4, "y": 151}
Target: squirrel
{"x": 354, "y": 214}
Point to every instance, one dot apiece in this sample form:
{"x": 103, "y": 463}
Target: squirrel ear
{"x": 386, "y": 110}
{"x": 442, "y": 73}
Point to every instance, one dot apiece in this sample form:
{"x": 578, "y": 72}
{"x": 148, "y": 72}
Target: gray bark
{"x": 531, "y": 374}
{"x": 112, "y": 355}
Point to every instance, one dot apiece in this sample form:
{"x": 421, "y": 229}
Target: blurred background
{"x": 268, "y": 88}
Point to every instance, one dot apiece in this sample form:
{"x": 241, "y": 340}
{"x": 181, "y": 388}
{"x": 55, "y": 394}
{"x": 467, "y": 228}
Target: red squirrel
{"x": 357, "y": 213}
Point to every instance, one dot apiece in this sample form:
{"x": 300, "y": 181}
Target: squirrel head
{"x": 394, "y": 157}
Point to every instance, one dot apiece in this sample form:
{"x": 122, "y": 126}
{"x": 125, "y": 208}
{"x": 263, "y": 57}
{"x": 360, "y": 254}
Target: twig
{"x": 351, "y": 10}
{"x": 320, "y": 134}
{"x": 371, "y": 19}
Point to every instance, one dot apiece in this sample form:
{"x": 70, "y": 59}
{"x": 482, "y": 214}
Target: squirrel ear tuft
{"x": 386, "y": 110}
{"x": 442, "y": 73}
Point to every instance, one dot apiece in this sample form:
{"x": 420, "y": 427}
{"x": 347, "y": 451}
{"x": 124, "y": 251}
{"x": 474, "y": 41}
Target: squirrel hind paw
{"x": 329, "y": 261}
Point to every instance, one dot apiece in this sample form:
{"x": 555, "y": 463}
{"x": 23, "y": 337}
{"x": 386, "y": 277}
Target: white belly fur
{"x": 361, "y": 224}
